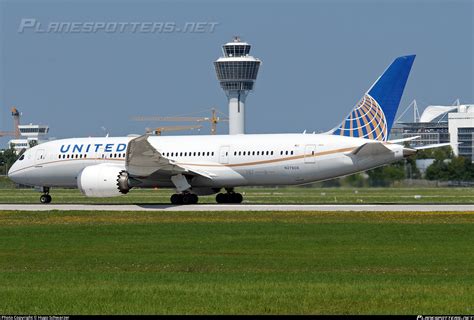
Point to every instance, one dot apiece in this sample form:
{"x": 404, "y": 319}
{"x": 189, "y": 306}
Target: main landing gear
{"x": 229, "y": 197}
{"x": 184, "y": 195}
{"x": 182, "y": 186}
{"x": 184, "y": 198}
{"x": 45, "y": 197}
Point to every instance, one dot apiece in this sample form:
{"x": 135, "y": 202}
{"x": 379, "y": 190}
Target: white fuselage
{"x": 231, "y": 160}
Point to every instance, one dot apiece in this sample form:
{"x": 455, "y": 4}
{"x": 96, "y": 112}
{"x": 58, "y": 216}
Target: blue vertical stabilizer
{"x": 373, "y": 116}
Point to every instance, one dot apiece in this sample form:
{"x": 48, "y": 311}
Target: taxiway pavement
{"x": 242, "y": 207}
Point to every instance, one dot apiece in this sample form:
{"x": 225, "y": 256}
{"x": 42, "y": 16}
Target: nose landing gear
{"x": 45, "y": 197}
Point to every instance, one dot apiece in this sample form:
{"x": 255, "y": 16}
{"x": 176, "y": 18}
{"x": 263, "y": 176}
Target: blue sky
{"x": 318, "y": 59}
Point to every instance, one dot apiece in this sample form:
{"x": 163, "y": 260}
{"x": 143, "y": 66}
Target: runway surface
{"x": 241, "y": 207}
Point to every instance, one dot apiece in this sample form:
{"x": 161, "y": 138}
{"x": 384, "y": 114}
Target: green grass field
{"x": 264, "y": 195}
{"x": 236, "y": 262}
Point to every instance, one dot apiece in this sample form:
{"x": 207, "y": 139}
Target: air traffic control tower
{"x": 237, "y": 72}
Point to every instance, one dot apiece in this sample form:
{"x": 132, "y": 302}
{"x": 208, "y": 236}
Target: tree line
{"x": 7, "y": 158}
{"x": 446, "y": 167}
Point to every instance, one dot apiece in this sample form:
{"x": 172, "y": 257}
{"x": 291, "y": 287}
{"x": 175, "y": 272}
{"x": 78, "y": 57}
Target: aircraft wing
{"x": 144, "y": 160}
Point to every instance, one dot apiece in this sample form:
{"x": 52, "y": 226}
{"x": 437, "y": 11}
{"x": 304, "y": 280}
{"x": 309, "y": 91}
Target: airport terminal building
{"x": 442, "y": 124}
{"x": 29, "y": 134}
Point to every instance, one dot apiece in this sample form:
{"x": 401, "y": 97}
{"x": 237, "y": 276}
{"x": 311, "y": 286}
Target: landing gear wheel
{"x": 190, "y": 198}
{"x": 45, "y": 198}
{"x": 176, "y": 199}
{"x": 236, "y": 198}
{"x": 187, "y": 198}
{"x": 221, "y": 198}
{"x": 230, "y": 197}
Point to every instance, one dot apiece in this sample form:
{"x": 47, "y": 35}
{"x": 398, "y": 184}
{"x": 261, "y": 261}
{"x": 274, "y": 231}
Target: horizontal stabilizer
{"x": 404, "y": 139}
{"x": 370, "y": 149}
{"x": 431, "y": 146}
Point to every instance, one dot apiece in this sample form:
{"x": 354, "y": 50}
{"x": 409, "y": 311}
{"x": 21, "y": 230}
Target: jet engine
{"x": 103, "y": 180}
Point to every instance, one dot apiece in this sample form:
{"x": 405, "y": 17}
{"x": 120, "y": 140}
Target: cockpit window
{"x": 21, "y": 155}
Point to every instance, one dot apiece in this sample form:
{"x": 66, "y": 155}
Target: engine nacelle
{"x": 103, "y": 180}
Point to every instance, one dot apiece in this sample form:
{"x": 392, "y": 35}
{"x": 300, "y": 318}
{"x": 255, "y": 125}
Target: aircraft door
{"x": 309, "y": 153}
{"x": 40, "y": 156}
{"x": 224, "y": 155}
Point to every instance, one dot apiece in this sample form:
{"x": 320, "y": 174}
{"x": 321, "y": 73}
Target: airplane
{"x": 205, "y": 165}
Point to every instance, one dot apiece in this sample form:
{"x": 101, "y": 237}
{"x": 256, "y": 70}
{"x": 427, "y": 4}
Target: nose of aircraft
{"x": 15, "y": 173}
{"x": 12, "y": 173}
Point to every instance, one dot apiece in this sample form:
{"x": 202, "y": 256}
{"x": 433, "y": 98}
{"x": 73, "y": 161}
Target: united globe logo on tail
{"x": 367, "y": 120}
{"x": 372, "y": 118}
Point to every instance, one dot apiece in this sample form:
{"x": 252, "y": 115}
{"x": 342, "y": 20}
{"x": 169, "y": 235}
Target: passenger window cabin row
{"x": 72, "y": 156}
{"x": 114, "y": 155}
{"x": 260, "y": 153}
{"x": 236, "y": 153}
{"x": 188, "y": 154}
{"x": 180, "y": 154}
{"x": 83, "y": 156}
{"x": 253, "y": 153}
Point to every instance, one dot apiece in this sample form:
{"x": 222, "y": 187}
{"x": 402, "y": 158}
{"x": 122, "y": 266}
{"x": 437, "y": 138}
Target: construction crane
{"x": 16, "y": 122}
{"x": 214, "y": 119}
{"x": 7, "y": 134}
{"x": 158, "y": 131}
